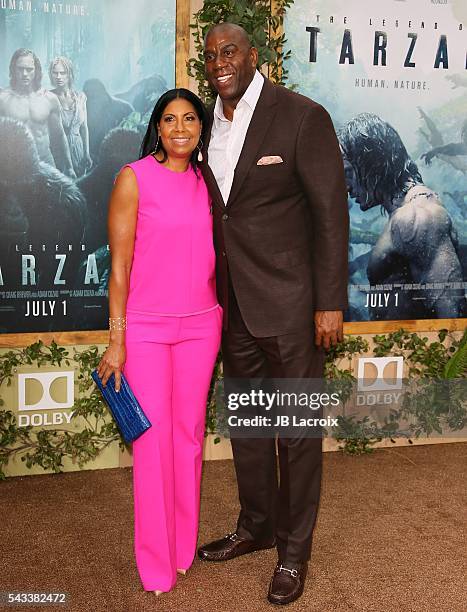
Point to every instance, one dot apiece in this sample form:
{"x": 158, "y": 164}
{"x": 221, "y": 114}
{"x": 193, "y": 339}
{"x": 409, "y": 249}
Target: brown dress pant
{"x": 286, "y": 510}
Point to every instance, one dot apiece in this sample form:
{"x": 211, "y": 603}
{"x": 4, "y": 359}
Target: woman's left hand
{"x": 112, "y": 362}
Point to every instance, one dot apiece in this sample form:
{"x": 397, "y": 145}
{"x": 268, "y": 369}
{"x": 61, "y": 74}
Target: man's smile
{"x": 223, "y": 79}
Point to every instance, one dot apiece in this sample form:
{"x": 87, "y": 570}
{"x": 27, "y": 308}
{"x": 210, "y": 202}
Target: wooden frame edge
{"x": 182, "y": 43}
{"x": 64, "y": 338}
{"x": 414, "y": 325}
{"x": 67, "y": 338}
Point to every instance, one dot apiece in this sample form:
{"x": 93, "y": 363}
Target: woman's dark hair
{"x": 150, "y": 138}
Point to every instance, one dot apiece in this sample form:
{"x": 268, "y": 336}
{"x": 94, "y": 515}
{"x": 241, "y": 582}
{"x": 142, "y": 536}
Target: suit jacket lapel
{"x": 208, "y": 175}
{"x": 257, "y": 130}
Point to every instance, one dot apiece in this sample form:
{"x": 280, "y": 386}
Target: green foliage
{"x": 48, "y": 447}
{"x": 339, "y": 356}
{"x": 456, "y": 366}
{"x": 136, "y": 121}
{"x": 425, "y": 359}
{"x": 357, "y": 436}
{"x": 256, "y": 18}
{"x": 431, "y": 407}
{"x": 37, "y": 353}
{"x": 212, "y": 425}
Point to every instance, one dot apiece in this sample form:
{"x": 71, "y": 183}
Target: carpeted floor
{"x": 390, "y": 537}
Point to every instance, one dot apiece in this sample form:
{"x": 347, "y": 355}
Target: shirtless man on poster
{"x": 38, "y": 108}
{"x": 419, "y": 244}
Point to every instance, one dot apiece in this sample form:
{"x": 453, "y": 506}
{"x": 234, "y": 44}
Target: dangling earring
{"x": 157, "y": 146}
{"x": 200, "y": 146}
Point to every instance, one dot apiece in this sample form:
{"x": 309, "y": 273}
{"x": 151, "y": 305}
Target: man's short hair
{"x": 235, "y": 26}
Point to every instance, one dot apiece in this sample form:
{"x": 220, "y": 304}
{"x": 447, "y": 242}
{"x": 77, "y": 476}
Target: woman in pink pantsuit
{"x": 165, "y": 326}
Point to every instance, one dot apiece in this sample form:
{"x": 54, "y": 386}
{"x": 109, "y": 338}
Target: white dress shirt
{"x": 227, "y": 137}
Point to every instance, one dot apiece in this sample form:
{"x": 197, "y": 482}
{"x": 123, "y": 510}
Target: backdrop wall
{"x": 54, "y": 261}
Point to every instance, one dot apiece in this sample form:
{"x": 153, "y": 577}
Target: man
{"x": 419, "y": 242}
{"x": 38, "y": 108}
{"x": 281, "y": 232}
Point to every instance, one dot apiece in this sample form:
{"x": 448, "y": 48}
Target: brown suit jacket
{"x": 282, "y": 237}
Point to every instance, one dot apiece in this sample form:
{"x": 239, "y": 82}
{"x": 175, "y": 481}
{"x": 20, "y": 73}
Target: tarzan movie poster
{"x": 393, "y": 76}
{"x": 77, "y": 85}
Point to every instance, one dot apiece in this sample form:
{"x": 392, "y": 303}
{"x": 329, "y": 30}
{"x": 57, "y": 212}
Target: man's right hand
{"x": 328, "y": 328}
{"x": 112, "y": 362}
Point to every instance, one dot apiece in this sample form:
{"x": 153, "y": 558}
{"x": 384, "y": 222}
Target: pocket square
{"x": 267, "y": 160}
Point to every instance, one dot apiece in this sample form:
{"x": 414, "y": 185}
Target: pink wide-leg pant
{"x": 169, "y": 366}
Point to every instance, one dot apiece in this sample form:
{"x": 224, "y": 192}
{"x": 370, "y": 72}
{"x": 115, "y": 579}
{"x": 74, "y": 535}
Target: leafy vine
{"x": 433, "y": 407}
{"x": 48, "y": 447}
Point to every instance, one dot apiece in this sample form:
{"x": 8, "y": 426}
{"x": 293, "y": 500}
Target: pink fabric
{"x": 172, "y": 340}
{"x": 169, "y": 366}
{"x": 173, "y": 268}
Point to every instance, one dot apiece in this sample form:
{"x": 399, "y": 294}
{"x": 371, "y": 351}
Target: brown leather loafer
{"x": 287, "y": 583}
{"x": 229, "y": 547}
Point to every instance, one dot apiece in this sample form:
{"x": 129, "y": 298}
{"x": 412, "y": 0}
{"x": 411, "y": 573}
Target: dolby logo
{"x": 380, "y": 373}
{"x": 44, "y": 398}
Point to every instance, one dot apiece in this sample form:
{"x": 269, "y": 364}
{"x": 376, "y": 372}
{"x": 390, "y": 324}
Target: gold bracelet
{"x": 117, "y": 323}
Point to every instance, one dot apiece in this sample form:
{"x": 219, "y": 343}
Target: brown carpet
{"x": 390, "y": 537}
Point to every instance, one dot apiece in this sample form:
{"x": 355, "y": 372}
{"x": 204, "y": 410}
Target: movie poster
{"x": 77, "y": 82}
{"x": 393, "y": 76}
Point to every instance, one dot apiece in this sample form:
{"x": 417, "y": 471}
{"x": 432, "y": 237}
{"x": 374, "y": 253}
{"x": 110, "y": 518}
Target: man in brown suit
{"x": 276, "y": 177}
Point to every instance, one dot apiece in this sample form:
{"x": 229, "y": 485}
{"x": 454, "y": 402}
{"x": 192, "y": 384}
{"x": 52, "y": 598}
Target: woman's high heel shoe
{"x": 181, "y": 571}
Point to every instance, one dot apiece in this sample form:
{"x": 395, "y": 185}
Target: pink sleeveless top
{"x": 173, "y": 271}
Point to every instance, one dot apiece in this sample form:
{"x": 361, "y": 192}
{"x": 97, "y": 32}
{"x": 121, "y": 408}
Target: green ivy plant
{"x": 264, "y": 27}
{"x": 438, "y": 399}
{"x": 48, "y": 447}
{"x": 212, "y": 426}
{"x": 432, "y": 407}
{"x": 427, "y": 361}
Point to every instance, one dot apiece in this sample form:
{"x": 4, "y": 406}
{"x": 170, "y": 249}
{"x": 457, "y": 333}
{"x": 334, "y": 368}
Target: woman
{"x": 165, "y": 326}
{"x": 74, "y": 115}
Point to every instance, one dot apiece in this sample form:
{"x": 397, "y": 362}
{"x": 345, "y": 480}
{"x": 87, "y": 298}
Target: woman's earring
{"x": 200, "y": 146}
{"x": 157, "y": 145}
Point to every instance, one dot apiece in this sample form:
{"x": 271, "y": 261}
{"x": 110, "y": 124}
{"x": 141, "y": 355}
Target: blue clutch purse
{"x": 125, "y": 409}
